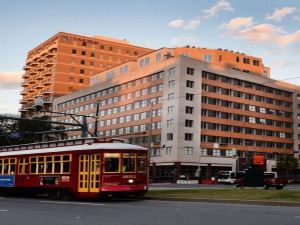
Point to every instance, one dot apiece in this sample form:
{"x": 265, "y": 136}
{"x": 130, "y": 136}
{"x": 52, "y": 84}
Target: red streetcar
{"x": 84, "y": 168}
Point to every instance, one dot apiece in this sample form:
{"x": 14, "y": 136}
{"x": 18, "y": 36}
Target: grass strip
{"x": 237, "y": 194}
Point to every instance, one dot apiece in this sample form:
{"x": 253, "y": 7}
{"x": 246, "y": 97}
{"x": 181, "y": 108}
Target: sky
{"x": 269, "y": 29}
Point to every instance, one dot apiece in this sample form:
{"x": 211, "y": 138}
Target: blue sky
{"x": 266, "y": 28}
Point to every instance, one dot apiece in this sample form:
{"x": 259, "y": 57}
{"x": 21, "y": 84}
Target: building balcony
{"x": 52, "y": 48}
{"x": 34, "y": 63}
{"x": 50, "y": 54}
{"x": 33, "y": 73}
{"x": 41, "y": 59}
{"x": 30, "y": 98}
{"x": 22, "y": 110}
{"x": 48, "y": 73}
{"x": 39, "y": 86}
{"x": 50, "y": 63}
{"x": 23, "y": 101}
{"x": 39, "y": 77}
{"x": 27, "y": 68}
{"x": 24, "y": 92}
{"x": 48, "y": 81}
{"x": 25, "y": 76}
{"x": 32, "y": 81}
{"x": 47, "y": 91}
{"x": 24, "y": 84}
{"x": 41, "y": 68}
{"x": 31, "y": 90}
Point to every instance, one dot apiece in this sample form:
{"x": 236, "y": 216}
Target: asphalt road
{"x": 22, "y": 211}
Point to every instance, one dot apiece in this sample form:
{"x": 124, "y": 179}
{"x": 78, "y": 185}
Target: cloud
{"x": 180, "y": 23}
{"x": 278, "y": 14}
{"x": 261, "y": 33}
{"x": 192, "y": 24}
{"x": 181, "y": 41}
{"x": 238, "y": 22}
{"x": 283, "y": 63}
{"x": 176, "y": 23}
{"x": 10, "y": 80}
{"x": 296, "y": 18}
{"x": 245, "y": 28}
{"x": 289, "y": 38}
{"x": 221, "y": 5}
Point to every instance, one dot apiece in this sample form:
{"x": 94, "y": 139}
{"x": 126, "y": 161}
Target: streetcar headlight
{"x": 130, "y": 181}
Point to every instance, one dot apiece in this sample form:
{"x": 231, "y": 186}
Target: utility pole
{"x": 97, "y": 119}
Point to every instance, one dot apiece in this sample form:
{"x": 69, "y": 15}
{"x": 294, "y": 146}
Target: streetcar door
{"x": 89, "y": 173}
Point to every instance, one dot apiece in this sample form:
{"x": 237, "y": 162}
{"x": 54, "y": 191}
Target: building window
{"x": 172, "y": 71}
{"x": 246, "y": 60}
{"x": 190, "y": 83}
{"x": 74, "y": 51}
{"x": 171, "y": 83}
{"x": 158, "y": 57}
{"x": 189, "y": 110}
{"x": 80, "y": 80}
{"x": 207, "y": 58}
{"x": 168, "y": 150}
{"x": 169, "y": 136}
{"x": 81, "y": 71}
{"x": 82, "y": 52}
{"x": 190, "y": 71}
{"x": 82, "y": 62}
{"x": 170, "y": 110}
{"x": 189, "y": 97}
{"x": 188, "y": 150}
{"x": 188, "y": 137}
{"x": 171, "y": 96}
{"x": 188, "y": 123}
{"x": 92, "y": 54}
{"x": 170, "y": 123}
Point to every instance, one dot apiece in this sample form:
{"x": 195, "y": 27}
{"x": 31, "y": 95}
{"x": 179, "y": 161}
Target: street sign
{"x": 258, "y": 160}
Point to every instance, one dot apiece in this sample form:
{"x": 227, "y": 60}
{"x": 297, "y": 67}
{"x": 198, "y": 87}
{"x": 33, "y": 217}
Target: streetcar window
{"x": 8, "y": 166}
{"x": 23, "y": 166}
{"x": 141, "y": 163}
{"x": 66, "y": 167}
{"x": 33, "y": 165}
{"x": 128, "y": 162}
{"x": 41, "y": 165}
{"x": 112, "y": 163}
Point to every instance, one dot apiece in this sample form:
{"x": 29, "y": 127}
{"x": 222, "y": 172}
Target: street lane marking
{"x": 297, "y": 217}
{"x": 3, "y": 210}
{"x": 72, "y": 203}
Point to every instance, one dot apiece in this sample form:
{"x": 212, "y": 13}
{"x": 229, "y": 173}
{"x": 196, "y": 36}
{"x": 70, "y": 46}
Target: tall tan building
{"x": 196, "y": 113}
{"x": 65, "y": 62}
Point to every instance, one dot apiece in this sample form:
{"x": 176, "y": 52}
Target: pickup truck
{"x": 271, "y": 180}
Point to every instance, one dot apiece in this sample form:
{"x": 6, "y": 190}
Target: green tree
{"x": 287, "y": 164}
{"x": 13, "y": 132}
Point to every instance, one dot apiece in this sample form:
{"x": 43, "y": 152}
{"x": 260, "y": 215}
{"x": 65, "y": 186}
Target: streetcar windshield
{"x": 112, "y": 163}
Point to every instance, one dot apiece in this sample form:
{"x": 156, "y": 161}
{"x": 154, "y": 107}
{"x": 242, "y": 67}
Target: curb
{"x": 227, "y": 201}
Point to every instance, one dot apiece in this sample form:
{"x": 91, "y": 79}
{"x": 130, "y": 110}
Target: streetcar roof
{"x": 84, "y": 147}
